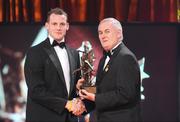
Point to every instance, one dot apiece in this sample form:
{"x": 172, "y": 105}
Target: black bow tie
{"x": 61, "y": 45}
{"x": 107, "y": 54}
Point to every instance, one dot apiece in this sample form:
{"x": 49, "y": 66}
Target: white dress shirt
{"x": 63, "y": 58}
{"x": 108, "y": 58}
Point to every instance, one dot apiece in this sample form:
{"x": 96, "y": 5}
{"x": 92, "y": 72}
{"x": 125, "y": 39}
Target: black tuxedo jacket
{"x": 47, "y": 94}
{"x": 118, "y": 88}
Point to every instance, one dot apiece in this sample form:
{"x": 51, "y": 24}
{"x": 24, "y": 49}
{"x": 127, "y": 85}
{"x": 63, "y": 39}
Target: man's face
{"x": 109, "y": 35}
{"x": 57, "y": 26}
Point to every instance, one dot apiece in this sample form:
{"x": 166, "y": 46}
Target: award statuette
{"x": 87, "y": 60}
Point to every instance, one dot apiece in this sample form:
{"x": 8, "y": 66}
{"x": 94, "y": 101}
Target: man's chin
{"x": 106, "y": 48}
{"x": 58, "y": 39}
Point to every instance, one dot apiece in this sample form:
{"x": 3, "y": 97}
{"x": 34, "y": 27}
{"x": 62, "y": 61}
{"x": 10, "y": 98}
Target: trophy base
{"x": 91, "y": 89}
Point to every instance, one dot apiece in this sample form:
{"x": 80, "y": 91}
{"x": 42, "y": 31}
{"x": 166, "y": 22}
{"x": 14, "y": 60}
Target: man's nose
{"x": 59, "y": 26}
{"x": 103, "y": 36}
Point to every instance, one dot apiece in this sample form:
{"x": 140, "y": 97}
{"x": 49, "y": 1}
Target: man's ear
{"x": 120, "y": 34}
{"x": 67, "y": 26}
{"x": 46, "y": 25}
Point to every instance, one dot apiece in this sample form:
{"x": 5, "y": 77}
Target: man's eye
{"x": 107, "y": 31}
{"x": 99, "y": 33}
{"x": 54, "y": 23}
{"x": 62, "y": 24}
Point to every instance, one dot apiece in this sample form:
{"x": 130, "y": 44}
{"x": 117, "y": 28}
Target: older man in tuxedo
{"x": 117, "y": 98}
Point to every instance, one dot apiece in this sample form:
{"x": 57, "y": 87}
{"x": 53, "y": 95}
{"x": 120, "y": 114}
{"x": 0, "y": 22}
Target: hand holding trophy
{"x": 87, "y": 68}
{"x": 76, "y": 105}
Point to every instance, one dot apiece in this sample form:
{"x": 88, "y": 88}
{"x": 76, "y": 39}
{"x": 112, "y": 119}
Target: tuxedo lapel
{"x": 54, "y": 58}
{"x": 102, "y": 71}
{"x": 71, "y": 62}
{"x": 105, "y": 69}
{"x": 113, "y": 57}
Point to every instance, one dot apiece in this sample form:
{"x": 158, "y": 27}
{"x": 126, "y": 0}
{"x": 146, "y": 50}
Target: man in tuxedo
{"x": 49, "y": 75}
{"x": 117, "y": 97}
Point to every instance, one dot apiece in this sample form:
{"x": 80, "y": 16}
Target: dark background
{"x": 151, "y": 30}
{"x": 157, "y": 42}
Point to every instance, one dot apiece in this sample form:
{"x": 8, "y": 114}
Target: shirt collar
{"x": 115, "y": 47}
{"x": 51, "y": 39}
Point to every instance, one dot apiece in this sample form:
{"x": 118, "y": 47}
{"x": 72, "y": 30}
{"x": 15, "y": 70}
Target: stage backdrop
{"x": 154, "y": 44}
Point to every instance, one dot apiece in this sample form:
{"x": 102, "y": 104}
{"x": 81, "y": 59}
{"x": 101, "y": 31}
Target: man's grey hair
{"x": 114, "y": 21}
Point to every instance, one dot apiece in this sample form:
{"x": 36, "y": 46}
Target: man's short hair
{"x": 57, "y": 11}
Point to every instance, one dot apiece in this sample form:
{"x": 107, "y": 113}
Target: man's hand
{"x": 79, "y": 83}
{"x": 86, "y": 95}
{"x": 69, "y": 105}
{"x": 76, "y": 106}
{"x": 79, "y": 107}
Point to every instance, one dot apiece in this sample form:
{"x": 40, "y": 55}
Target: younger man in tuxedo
{"x": 48, "y": 72}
